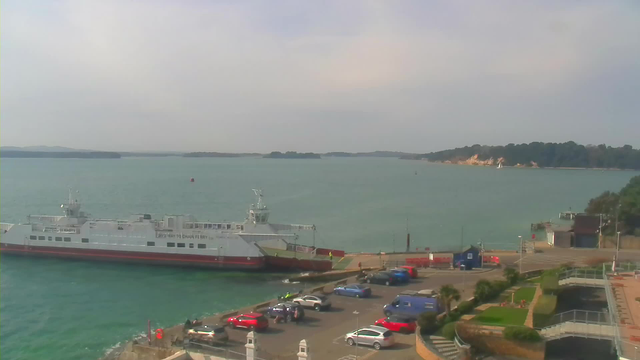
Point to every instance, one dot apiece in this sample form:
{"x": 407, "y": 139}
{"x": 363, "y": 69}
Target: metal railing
{"x": 582, "y": 274}
{"x": 580, "y": 316}
{"x": 613, "y": 311}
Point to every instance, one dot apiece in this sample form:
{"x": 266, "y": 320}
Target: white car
{"x": 376, "y": 336}
{"x": 318, "y": 302}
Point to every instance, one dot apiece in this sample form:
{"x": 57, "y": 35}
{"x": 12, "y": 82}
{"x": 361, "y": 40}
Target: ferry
{"x": 177, "y": 240}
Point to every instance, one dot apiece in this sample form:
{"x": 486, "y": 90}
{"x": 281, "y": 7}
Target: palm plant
{"x": 448, "y": 294}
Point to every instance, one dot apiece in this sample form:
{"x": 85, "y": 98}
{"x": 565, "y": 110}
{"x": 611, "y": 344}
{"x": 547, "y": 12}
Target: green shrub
{"x": 543, "y": 311}
{"x": 484, "y": 291}
{"x": 449, "y": 331}
{"x": 499, "y": 286}
{"x": 521, "y": 333}
{"x": 549, "y": 284}
{"x": 465, "y": 307}
{"x": 511, "y": 275}
{"x": 428, "y": 322}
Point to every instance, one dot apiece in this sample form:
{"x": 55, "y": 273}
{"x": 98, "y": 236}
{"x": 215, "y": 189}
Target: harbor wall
{"x": 162, "y": 348}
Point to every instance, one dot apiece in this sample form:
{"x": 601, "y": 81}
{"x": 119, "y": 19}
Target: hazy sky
{"x": 341, "y": 75}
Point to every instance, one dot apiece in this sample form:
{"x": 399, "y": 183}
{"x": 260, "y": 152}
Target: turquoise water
{"x": 77, "y": 310}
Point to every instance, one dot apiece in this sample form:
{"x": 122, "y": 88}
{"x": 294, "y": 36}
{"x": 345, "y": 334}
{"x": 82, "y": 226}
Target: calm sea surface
{"x": 78, "y": 310}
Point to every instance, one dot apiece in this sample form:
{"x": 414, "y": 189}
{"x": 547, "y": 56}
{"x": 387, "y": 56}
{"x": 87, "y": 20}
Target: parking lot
{"x": 324, "y": 331}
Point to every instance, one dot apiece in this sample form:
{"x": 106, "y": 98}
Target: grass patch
{"x": 536, "y": 280}
{"x": 525, "y": 293}
{"x": 502, "y": 316}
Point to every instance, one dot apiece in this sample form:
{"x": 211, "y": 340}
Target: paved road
{"x": 324, "y": 331}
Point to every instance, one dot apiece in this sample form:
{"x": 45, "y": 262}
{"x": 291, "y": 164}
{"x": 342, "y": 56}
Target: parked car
{"x": 318, "y": 302}
{"x": 252, "y": 321}
{"x": 209, "y": 334}
{"x": 413, "y": 303}
{"x": 385, "y": 278}
{"x": 398, "y": 323}
{"x": 402, "y": 275}
{"x": 278, "y": 309}
{"x": 359, "y": 291}
{"x": 375, "y": 336}
{"x": 412, "y": 270}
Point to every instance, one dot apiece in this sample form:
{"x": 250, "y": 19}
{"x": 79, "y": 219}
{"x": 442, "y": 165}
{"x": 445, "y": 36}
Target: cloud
{"x": 354, "y": 76}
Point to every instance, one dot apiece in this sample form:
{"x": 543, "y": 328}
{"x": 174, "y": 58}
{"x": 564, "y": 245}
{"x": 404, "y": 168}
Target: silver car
{"x": 376, "y": 336}
{"x": 318, "y": 302}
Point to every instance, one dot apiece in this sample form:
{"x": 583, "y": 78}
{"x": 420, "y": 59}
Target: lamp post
{"x": 520, "y": 263}
{"x": 618, "y": 245}
{"x": 481, "y": 244}
{"x": 356, "y": 313}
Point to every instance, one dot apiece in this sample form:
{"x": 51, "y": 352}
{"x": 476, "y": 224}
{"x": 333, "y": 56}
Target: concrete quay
{"x": 324, "y": 331}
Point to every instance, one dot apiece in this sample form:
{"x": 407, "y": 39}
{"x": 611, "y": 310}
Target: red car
{"x": 397, "y": 323}
{"x": 413, "y": 272}
{"x": 251, "y": 321}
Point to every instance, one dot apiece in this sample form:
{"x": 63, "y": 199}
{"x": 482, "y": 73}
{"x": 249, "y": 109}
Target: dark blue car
{"x": 276, "y": 310}
{"x": 401, "y": 275}
{"x": 356, "y": 290}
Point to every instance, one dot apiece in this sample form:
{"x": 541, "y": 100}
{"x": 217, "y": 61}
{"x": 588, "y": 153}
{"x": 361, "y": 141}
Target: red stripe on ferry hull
{"x": 222, "y": 262}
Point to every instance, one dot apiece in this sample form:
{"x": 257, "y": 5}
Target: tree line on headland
{"x": 62, "y": 155}
{"x": 538, "y": 154}
{"x": 622, "y": 207}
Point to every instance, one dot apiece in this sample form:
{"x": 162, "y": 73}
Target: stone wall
{"x": 494, "y": 343}
{"x": 423, "y": 349}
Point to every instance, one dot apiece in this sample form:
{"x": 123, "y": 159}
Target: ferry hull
{"x": 183, "y": 260}
{"x": 287, "y": 263}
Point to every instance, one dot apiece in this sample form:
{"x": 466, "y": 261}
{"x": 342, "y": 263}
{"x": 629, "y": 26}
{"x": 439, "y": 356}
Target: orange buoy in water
{"x": 159, "y": 334}
{"x": 193, "y": 180}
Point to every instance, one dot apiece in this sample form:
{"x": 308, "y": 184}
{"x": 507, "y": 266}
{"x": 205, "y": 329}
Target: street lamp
{"x": 481, "y": 244}
{"x": 356, "y": 313}
{"x": 520, "y": 263}
{"x": 618, "y": 245}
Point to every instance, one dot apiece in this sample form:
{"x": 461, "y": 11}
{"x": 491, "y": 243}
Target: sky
{"x": 261, "y": 76}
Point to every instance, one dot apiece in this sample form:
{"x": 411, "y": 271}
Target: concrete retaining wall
{"x": 262, "y": 306}
{"x": 423, "y": 349}
{"x": 224, "y": 317}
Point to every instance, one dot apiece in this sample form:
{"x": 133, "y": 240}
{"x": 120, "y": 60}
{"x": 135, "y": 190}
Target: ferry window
{"x": 67, "y": 239}
{"x": 152, "y": 243}
{"x": 202, "y": 246}
{"x": 50, "y": 238}
{"x": 190, "y": 245}
{"x": 170, "y": 244}
{"x": 228, "y": 226}
{"x": 58, "y": 238}
{"x": 242, "y": 227}
{"x": 33, "y": 237}
{"x": 85, "y": 240}
{"x": 40, "y": 237}
{"x": 180, "y": 244}
{"x": 407, "y": 304}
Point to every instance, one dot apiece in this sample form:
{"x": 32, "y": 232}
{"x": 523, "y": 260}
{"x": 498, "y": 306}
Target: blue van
{"x": 411, "y": 303}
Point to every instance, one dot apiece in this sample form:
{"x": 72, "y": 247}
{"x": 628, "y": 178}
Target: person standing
{"x": 296, "y": 316}
{"x": 360, "y": 265}
{"x": 330, "y": 256}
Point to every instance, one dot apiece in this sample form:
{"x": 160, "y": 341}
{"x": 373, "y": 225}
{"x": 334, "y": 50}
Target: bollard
{"x": 303, "y": 351}
{"x": 251, "y": 346}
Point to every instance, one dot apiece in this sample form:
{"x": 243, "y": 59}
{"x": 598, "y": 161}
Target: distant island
{"x": 538, "y": 154}
{"x": 392, "y": 154}
{"x": 59, "y": 155}
{"x": 291, "y": 155}
{"x": 217, "y": 154}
